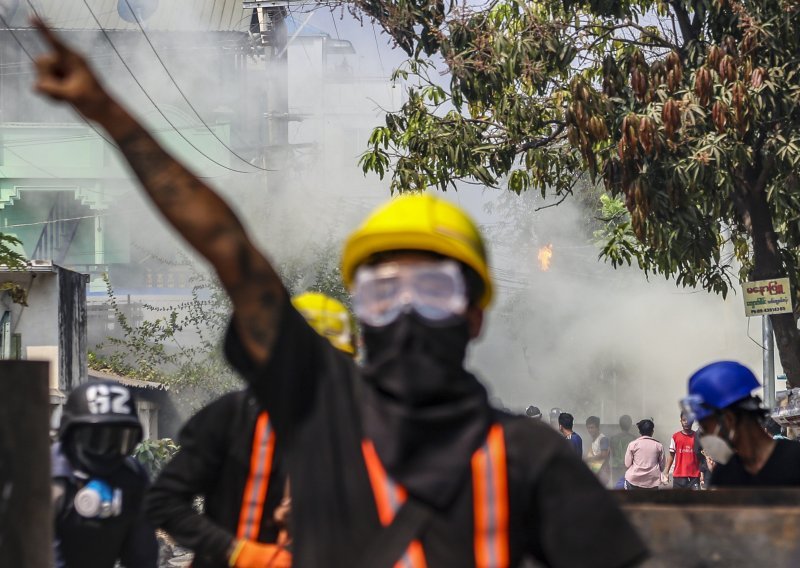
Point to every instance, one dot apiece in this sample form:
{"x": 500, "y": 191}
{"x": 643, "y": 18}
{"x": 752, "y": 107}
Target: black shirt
{"x": 558, "y": 512}
{"x": 782, "y": 469}
{"x": 214, "y": 462}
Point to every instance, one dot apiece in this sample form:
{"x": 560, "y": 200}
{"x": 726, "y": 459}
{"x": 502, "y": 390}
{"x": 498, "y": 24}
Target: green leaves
{"x": 687, "y": 114}
{"x": 9, "y": 255}
{"x": 11, "y": 258}
{"x": 155, "y": 454}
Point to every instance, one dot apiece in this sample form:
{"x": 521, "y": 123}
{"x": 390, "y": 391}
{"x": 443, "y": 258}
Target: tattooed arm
{"x": 195, "y": 210}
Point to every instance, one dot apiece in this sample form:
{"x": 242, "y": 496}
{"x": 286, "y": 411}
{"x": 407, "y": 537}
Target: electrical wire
{"x": 33, "y": 60}
{"x": 149, "y": 98}
{"x": 760, "y": 345}
{"x": 183, "y": 95}
{"x": 38, "y": 141}
{"x": 24, "y": 142}
{"x": 377, "y": 48}
{"x": 82, "y": 118}
{"x": 335, "y": 27}
{"x": 37, "y": 223}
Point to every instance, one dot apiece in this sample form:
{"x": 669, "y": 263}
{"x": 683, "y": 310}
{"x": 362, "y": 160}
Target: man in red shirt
{"x": 682, "y": 453}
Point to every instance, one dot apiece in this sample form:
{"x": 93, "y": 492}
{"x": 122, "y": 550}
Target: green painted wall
{"x": 37, "y": 161}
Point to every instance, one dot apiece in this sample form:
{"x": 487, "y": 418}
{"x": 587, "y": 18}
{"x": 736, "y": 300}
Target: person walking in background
{"x": 644, "y": 459}
{"x": 619, "y": 445}
{"x": 565, "y": 423}
{"x": 682, "y": 454}
{"x": 597, "y": 456}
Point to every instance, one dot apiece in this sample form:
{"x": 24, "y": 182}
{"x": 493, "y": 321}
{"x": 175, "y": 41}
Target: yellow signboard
{"x": 765, "y": 297}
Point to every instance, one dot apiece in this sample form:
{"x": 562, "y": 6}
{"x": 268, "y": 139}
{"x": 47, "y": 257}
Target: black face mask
{"x": 417, "y": 363}
{"x": 425, "y": 414}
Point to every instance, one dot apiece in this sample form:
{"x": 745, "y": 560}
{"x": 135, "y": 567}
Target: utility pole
{"x": 768, "y": 355}
{"x": 272, "y": 16}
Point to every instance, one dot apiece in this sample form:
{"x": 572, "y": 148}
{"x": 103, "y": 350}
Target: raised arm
{"x": 200, "y": 215}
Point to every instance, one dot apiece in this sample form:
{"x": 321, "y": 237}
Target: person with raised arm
{"x": 402, "y": 460}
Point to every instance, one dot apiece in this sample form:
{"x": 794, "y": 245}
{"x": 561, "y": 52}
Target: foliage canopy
{"x": 685, "y": 111}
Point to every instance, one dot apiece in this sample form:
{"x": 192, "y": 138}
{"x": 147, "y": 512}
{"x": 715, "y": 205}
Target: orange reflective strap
{"x": 255, "y": 490}
{"x": 490, "y": 495}
{"x": 389, "y": 496}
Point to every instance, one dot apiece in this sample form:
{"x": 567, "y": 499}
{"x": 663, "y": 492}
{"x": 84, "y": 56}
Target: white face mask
{"x": 716, "y": 447}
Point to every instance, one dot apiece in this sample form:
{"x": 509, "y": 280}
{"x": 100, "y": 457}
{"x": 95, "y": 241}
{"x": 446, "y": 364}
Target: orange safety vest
{"x": 490, "y": 497}
{"x": 255, "y": 490}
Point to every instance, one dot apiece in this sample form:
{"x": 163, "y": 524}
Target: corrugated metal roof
{"x": 156, "y": 15}
{"x": 127, "y": 381}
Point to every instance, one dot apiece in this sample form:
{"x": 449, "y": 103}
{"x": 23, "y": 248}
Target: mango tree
{"x": 686, "y": 111}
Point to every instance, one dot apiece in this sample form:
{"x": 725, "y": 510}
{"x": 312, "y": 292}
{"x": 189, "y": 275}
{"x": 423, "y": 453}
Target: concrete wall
{"x": 36, "y": 322}
{"x": 734, "y": 528}
{"x": 53, "y": 325}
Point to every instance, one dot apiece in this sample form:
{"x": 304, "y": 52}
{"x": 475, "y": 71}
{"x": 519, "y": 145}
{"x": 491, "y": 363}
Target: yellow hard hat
{"x": 421, "y": 222}
{"x": 328, "y": 317}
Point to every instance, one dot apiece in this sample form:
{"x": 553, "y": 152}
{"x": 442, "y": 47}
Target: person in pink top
{"x": 644, "y": 459}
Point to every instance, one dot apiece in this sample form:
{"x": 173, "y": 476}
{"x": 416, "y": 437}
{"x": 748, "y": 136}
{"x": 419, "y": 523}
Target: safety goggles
{"x": 434, "y": 290}
{"x": 106, "y": 440}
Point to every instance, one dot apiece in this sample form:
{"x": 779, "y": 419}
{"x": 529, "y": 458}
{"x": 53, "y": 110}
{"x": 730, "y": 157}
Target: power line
{"x": 89, "y": 124}
{"x": 149, "y": 98}
{"x": 23, "y": 142}
{"x": 26, "y": 52}
{"x": 35, "y": 223}
{"x": 377, "y": 48}
{"x": 335, "y": 27}
{"x": 183, "y": 95}
{"x": 55, "y": 176}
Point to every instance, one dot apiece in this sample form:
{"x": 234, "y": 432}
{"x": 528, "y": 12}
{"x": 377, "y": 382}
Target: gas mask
{"x": 97, "y": 500}
{"x": 716, "y": 447}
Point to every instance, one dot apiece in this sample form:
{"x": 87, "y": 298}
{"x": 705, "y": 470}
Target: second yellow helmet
{"x": 329, "y": 317}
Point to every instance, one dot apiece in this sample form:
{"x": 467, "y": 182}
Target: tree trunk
{"x": 766, "y": 266}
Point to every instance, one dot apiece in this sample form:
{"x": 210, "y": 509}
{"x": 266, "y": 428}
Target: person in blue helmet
{"x": 732, "y": 432}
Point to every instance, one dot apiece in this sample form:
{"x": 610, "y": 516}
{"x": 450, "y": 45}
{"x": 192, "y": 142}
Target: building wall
{"x": 48, "y": 155}
{"x": 72, "y": 331}
{"x": 36, "y": 322}
{"x": 53, "y": 325}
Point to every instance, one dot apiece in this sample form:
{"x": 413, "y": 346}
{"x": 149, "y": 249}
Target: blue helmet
{"x": 717, "y": 386}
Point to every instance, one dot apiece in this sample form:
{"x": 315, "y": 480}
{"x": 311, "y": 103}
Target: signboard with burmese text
{"x": 767, "y": 297}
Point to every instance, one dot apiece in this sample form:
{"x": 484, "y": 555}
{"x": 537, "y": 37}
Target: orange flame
{"x": 545, "y": 255}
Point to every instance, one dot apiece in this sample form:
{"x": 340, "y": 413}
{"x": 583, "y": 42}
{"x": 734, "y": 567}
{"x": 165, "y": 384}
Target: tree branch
{"x": 533, "y": 144}
{"x": 567, "y": 193}
{"x": 683, "y": 21}
{"x": 647, "y": 33}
